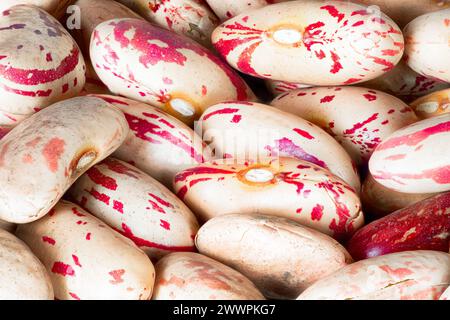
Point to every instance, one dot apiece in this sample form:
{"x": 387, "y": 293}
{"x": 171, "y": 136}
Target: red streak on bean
{"x": 73, "y": 295}
{"x": 63, "y": 269}
{"x": 120, "y": 168}
{"x": 164, "y": 224}
{"x": 236, "y": 118}
{"x": 141, "y": 128}
{"x": 399, "y": 273}
{"x": 370, "y": 97}
{"x": 336, "y": 63}
{"x": 118, "y": 206}
{"x": 101, "y": 179}
{"x": 304, "y": 134}
{"x": 184, "y": 175}
{"x": 327, "y": 99}
{"x": 99, "y": 196}
{"x": 317, "y": 212}
{"x": 117, "y": 276}
{"x": 334, "y": 12}
{"x": 220, "y": 111}
{"x": 288, "y": 147}
{"x": 360, "y": 125}
{"x": 49, "y": 240}
{"x": 145, "y": 243}
{"x": 76, "y": 260}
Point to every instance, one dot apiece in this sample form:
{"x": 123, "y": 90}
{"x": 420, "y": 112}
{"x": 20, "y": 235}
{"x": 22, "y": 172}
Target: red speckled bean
{"x": 424, "y": 225}
{"x": 141, "y": 61}
{"x": 409, "y": 275}
{"x": 158, "y": 143}
{"x": 86, "y": 259}
{"x": 415, "y": 159}
{"x": 40, "y": 63}
{"x": 358, "y": 126}
{"x": 42, "y": 156}
{"x": 290, "y": 188}
{"x": 137, "y": 206}
{"x": 405, "y": 83}
{"x": 247, "y": 131}
{"x": 313, "y": 42}
{"x": 191, "y": 276}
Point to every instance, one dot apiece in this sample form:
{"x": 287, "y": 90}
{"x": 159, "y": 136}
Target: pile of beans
{"x": 245, "y": 149}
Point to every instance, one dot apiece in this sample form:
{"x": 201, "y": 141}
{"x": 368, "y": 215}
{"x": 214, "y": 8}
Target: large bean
{"x": 42, "y": 156}
{"x": 313, "y": 42}
{"x": 415, "y": 159}
{"x": 137, "y": 206}
{"x": 144, "y": 62}
{"x": 40, "y": 63}
{"x": 408, "y": 275}
{"x": 358, "y": 126}
{"x": 280, "y": 256}
{"x": 85, "y": 258}
{"x": 251, "y": 131}
{"x": 290, "y": 188}
{"x": 421, "y": 226}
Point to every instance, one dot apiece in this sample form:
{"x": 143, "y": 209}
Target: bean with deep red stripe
{"x": 415, "y": 159}
{"x": 40, "y": 63}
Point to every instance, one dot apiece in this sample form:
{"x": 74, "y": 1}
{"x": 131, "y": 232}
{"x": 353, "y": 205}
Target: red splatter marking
{"x": 370, "y": 97}
{"x": 145, "y": 243}
{"x": 362, "y": 12}
{"x": 48, "y": 57}
{"x": 52, "y": 152}
{"x": 358, "y": 23}
{"x": 244, "y": 62}
{"x": 73, "y": 295}
{"x": 327, "y": 99}
{"x": 167, "y": 80}
{"x": 63, "y": 269}
{"x": 309, "y": 34}
{"x": 336, "y": 63}
{"x": 440, "y": 175}
{"x": 117, "y": 276}
{"x": 320, "y": 54}
{"x": 359, "y": 125}
{"x": 182, "y": 192}
{"x": 334, "y": 12}
{"x": 118, "y": 206}
{"x": 195, "y": 181}
{"x": 99, "y": 178}
{"x": 303, "y": 133}
{"x": 99, "y": 196}
{"x": 246, "y": 18}
{"x": 415, "y": 138}
{"x": 389, "y": 52}
{"x": 77, "y": 213}
{"x": 204, "y": 90}
{"x": 49, "y": 240}
{"x": 395, "y": 157}
{"x": 119, "y": 167}
{"x": 399, "y": 272}
{"x": 290, "y": 178}
{"x": 164, "y": 224}
{"x": 236, "y": 118}
{"x": 385, "y": 122}
{"x": 161, "y": 201}
{"x": 88, "y": 236}
{"x": 317, "y": 212}
{"x": 76, "y": 260}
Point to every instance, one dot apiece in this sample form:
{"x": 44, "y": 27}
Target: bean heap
{"x": 190, "y": 149}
